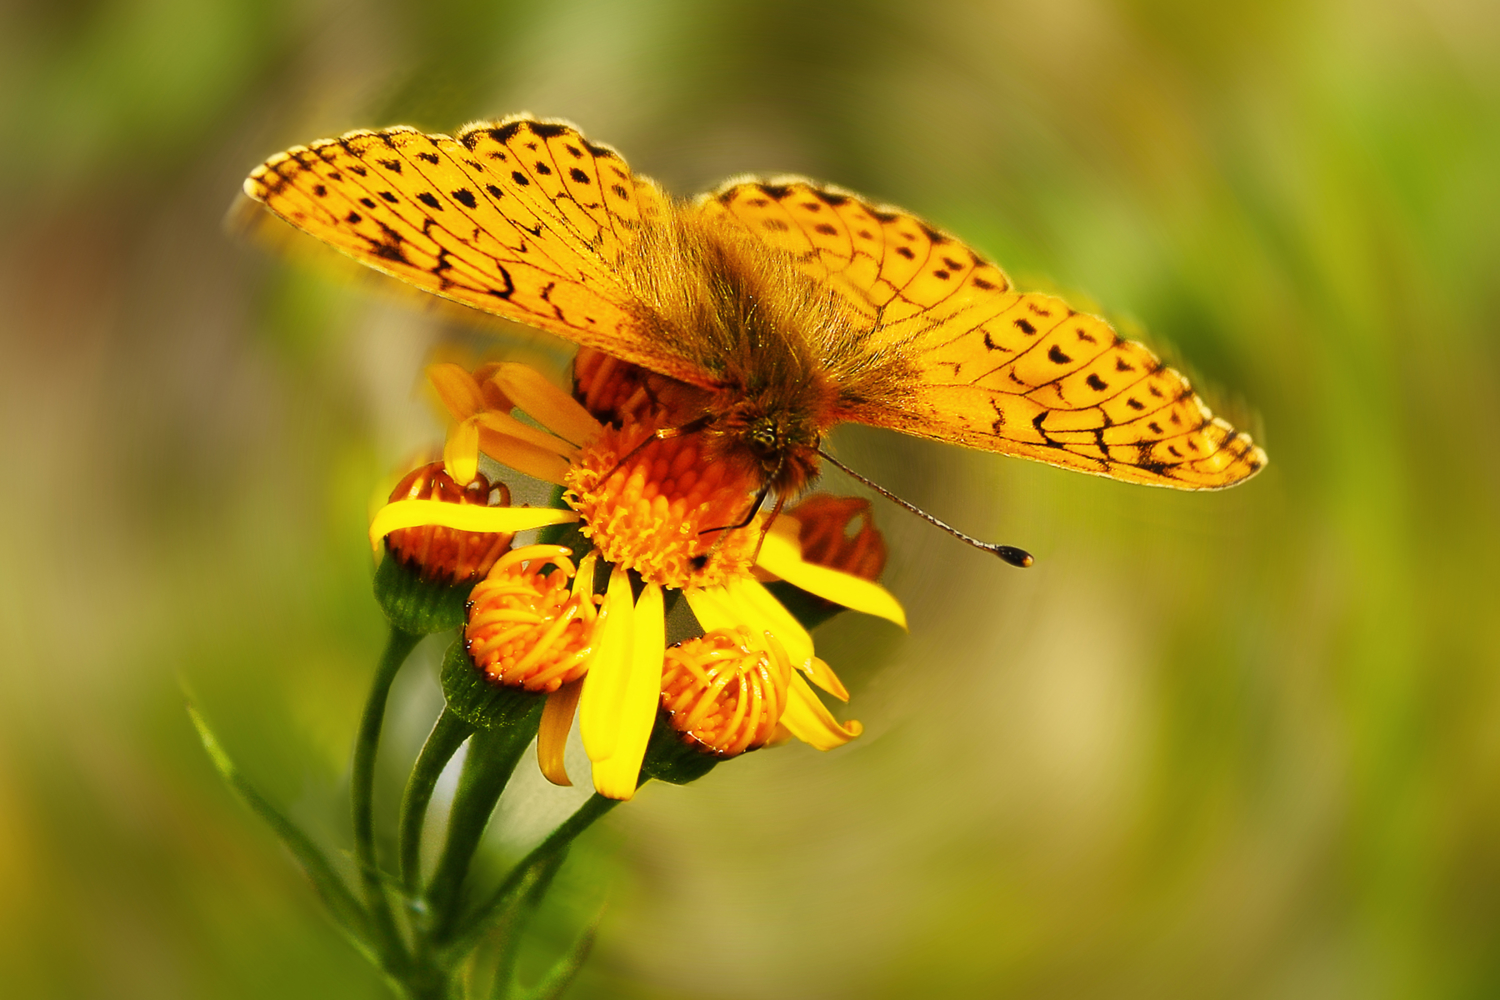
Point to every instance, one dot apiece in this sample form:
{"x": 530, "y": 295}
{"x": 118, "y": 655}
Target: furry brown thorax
{"x": 786, "y": 352}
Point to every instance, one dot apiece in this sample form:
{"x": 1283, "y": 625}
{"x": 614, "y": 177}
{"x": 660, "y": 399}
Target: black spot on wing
{"x": 548, "y": 130}
{"x": 464, "y": 197}
{"x": 429, "y": 157}
{"x": 427, "y": 198}
{"x": 1096, "y": 383}
{"x": 506, "y": 132}
{"x": 520, "y": 178}
{"x": 1057, "y": 357}
{"x": 579, "y": 176}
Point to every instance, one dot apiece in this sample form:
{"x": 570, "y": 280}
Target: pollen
{"x": 532, "y": 620}
{"x": 448, "y": 554}
{"x": 723, "y": 693}
{"x": 659, "y": 508}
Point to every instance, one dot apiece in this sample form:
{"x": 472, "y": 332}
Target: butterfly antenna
{"x": 1009, "y": 553}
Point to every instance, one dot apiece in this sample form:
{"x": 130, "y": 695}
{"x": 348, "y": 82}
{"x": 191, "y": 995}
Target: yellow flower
{"x": 650, "y": 506}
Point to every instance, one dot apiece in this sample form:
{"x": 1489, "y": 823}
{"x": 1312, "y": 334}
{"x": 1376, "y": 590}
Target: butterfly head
{"x": 781, "y": 446}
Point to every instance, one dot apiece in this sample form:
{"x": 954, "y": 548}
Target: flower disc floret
{"x": 723, "y": 693}
{"x": 652, "y": 506}
{"x": 532, "y": 620}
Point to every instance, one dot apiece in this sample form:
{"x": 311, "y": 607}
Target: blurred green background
{"x": 1232, "y": 745}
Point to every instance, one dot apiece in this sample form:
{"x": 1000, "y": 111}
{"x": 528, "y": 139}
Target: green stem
{"x": 367, "y": 744}
{"x": 531, "y": 867}
{"x": 442, "y": 743}
{"x": 492, "y": 758}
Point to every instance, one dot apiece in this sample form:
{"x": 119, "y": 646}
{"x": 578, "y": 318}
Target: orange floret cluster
{"x": 653, "y": 507}
{"x": 723, "y": 693}
{"x": 527, "y": 626}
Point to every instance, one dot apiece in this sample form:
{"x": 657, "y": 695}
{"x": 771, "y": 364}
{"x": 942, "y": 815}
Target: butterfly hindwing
{"x": 1021, "y": 374}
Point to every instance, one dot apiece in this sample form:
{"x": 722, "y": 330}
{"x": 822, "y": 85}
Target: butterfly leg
{"x": 760, "y": 498}
{"x": 661, "y": 434}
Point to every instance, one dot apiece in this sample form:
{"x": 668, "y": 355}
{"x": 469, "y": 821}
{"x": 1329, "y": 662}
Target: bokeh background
{"x": 1230, "y": 745}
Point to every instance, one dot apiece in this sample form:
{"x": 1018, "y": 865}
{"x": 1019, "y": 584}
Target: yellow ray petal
{"x": 539, "y": 463}
{"x": 464, "y": 517}
{"x": 457, "y": 389}
{"x": 616, "y": 776}
{"x": 760, "y": 611}
{"x": 781, "y": 554}
{"x": 604, "y": 684}
{"x": 821, "y": 674}
{"x": 709, "y": 607}
{"x": 461, "y": 452}
{"x": 504, "y": 423}
{"x": 809, "y": 720}
{"x": 552, "y": 736}
{"x": 546, "y": 403}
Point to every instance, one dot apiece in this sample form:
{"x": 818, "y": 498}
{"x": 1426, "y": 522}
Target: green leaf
{"x": 566, "y": 968}
{"x": 346, "y": 910}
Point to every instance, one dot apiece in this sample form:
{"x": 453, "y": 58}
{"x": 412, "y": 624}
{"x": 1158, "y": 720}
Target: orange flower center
{"x": 720, "y": 691}
{"x": 528, "y": 628}
{"x": 654, "y": 508}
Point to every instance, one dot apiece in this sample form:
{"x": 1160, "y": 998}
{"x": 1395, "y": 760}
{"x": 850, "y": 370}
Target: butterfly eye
{"x": 763, "y": 436}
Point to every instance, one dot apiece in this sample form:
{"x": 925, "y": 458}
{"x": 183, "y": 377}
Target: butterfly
{"x": 789, "y": 306}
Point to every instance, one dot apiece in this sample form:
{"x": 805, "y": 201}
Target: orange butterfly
{"x": 789, "y": 305}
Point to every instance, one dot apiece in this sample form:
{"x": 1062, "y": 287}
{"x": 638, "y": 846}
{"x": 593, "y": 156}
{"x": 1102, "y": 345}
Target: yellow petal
{"x": 504, "y": 423}
{"x": 539, "y": 463}
{"x": 617, "y": 775}
{"x": 809, "y": 720}
{"x": 461, "y": 452}
{"x": 781, "y": 554}
{"x": 709, "y": 607}
{"x": 546, "y": 403}
{"x": 464, "y": 517}
{"x": 552, "y": 736}
{"x": 761, "y": 611}
{"x": 604, "y": 684}
{"x": 821, "y": 674}
{"x": 457, "y": 389}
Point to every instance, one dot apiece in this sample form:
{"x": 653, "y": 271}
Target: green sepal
{"x": 671, "y": 759}
{"x": 416, "y": 605}
{"x": 480, "y": 702}
{"x": 809, "y": 609}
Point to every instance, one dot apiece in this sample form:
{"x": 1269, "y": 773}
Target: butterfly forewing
{"x": 452, "y": 217}
{"x": 1020, "y": 374}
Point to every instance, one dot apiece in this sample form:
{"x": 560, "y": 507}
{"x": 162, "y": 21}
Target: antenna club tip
{"x": 1016, "y": 557}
